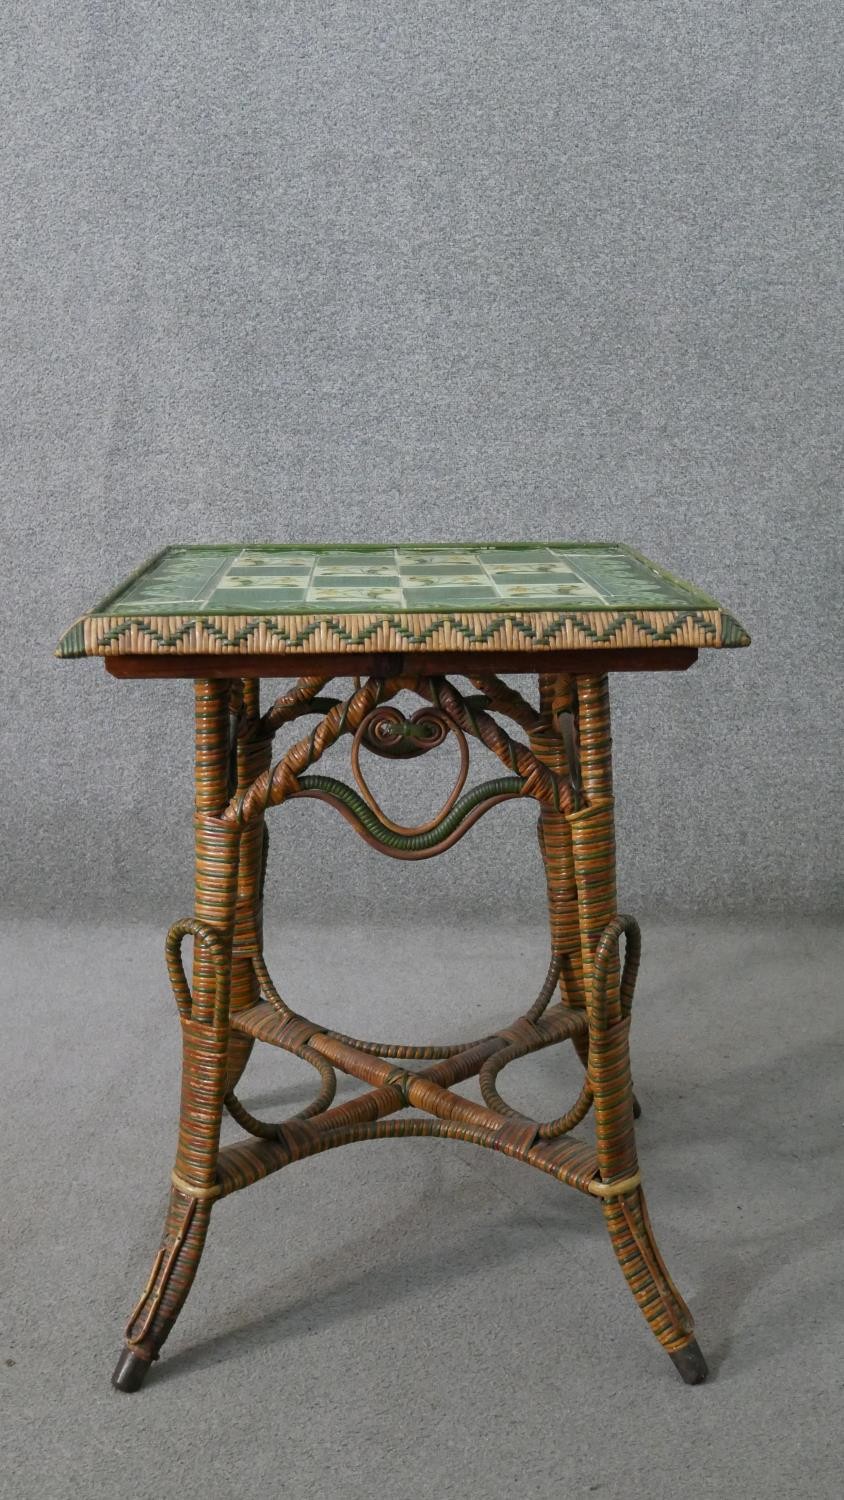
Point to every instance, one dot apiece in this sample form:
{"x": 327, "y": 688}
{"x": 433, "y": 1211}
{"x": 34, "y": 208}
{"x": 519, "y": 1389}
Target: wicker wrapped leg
{"x": 666, "y": 1313}
{"x": 252, "y": 756}
{"x": 626, "y": 1216}
{"x": 609, "y": 1003}
{"x": 206, "y": 1064}
{"x": 170, "y": 1280}
{"x": 205, "y": 1058}
{"x": 556, "y": 698}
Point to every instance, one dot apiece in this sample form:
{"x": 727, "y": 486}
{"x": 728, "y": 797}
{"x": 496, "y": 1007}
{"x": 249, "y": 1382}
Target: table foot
{"x": 163, "y": 1297}
{"x": 664, "y": 1310}
{"x": 690, "y": 1362}
{"x": 130, "y": 1372}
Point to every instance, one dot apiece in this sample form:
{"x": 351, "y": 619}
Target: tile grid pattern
{"x": 405, "y": 579}
{"x": 255, "y": 579}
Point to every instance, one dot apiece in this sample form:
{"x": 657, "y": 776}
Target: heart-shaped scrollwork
{"x": 387, "y": 732}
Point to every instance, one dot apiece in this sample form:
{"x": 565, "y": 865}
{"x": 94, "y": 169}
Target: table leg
{"x": 253, "y": 753}
{"x": 556, "y": 698}
{"x": 609, "y": 999}
{"x": 206, "y": 1061}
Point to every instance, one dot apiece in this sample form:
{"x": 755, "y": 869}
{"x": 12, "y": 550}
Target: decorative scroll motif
{"x": 377, "y": 724}
{"x": 387, "y": 732}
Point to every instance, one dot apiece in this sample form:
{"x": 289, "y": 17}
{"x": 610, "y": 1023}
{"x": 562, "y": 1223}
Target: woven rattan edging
{"x": 110, "y": 635}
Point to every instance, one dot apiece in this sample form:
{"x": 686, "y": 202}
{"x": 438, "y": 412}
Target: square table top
{"x": 282, "y": 600}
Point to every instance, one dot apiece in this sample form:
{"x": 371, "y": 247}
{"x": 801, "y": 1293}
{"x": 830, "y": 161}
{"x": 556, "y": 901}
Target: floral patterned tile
{"x": 420, "y": 558}
{"x": 452, "y": 578}
{"x": 548, "y": 591}
{"x": 264, "y": 581}
{"x": 356, "y": 570}
{"x": 530, "y": 569}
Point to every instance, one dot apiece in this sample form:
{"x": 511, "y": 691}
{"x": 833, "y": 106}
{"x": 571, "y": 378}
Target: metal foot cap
{"x": 130, "y": 1372}
{"x": 690, "y": 1362}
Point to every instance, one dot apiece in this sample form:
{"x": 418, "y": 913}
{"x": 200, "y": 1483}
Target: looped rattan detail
{"x": 209, "y": 939}
{"x": 272, "y": 1131}
{"x": 525, "y": 1039}
{"x": 392, "y": 735}
{"x": 605, "y": 953}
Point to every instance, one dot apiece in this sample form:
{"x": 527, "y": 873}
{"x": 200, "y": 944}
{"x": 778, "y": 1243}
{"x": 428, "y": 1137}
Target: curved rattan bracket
{"x": 271, "y": 1130}
{"x": 401, "y": 1050}
{"x": 427, "y": 839}
{"x": 356, "y": 715}
{"x": 546, "y": 1130}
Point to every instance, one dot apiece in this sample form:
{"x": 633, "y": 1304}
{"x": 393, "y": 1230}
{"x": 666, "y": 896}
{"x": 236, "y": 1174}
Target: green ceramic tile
{"x": 460, "y": 572}
{"x": 256, "y": 601}
{"x": 453, "y": 580}
{"x": 250, "y": 557}
{"x": 371, "y": 578}
{"x": 355, "y": 557}
{"x": 267, "y": 569}
{"x": 456, "y": 598}
{"x": 530, "y": 576}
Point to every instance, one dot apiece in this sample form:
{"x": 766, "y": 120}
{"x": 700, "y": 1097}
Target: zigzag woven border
{"x": 105, "y": 635}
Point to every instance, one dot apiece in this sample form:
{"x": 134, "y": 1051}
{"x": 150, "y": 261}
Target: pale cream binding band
{"x": 624, "y": 1185}
{"x": 194, "y": 1192}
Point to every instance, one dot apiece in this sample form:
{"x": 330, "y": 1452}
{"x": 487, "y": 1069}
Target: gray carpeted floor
{"x": 419, "y": 1318}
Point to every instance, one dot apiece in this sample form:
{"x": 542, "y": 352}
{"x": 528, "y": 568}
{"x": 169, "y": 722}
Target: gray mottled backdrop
{"x": 434, "y": 271}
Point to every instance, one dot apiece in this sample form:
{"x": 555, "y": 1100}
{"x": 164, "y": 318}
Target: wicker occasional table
{"x": 398, "y": 618}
